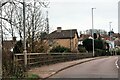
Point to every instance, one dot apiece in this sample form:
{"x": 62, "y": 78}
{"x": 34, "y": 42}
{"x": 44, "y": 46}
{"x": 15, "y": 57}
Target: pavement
{"x": 50, "y": 70}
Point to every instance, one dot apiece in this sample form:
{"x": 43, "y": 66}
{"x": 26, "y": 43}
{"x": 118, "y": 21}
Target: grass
{"x": 33, "y": 77}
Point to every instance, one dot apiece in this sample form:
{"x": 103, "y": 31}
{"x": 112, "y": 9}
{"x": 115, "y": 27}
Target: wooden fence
{"x": 39, "y": 59}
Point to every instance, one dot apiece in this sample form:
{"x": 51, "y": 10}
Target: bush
{"x": 10, "y": 69}
{"x": 87, "y": 43}
{"x": 81, "y": 49}
{"x": 118, "y": 52}
{"x": 98, "y": 44}
{"x": 59, "y": 49}
{"x": 100, "y": 52}
{"x": 18, "y": 47}
{"x": 33, "y": 77}
{"x": 13, "y": 70}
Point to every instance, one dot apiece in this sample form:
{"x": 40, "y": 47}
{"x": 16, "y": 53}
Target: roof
{"x": 8, "y": 44}
{"x": 116, "y": 35}
{"x": 64, "y": 34}
{"x": 84, "y": 36}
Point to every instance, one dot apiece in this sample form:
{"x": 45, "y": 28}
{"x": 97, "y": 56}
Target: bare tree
{"x": 35, "y": 19}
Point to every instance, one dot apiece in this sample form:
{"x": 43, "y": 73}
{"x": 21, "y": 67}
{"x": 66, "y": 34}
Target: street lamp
{"x": 110, "y": 29}
{"x": 24, "y": 32}
{"x": 93, "y": 32}
{"x": 24, "y": 52}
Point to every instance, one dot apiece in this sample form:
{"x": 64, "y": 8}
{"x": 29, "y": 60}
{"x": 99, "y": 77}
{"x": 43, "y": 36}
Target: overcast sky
{"x": 76, "y": 14}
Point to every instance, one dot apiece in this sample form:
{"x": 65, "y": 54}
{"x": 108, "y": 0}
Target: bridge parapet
{"x": 40, "y": 59}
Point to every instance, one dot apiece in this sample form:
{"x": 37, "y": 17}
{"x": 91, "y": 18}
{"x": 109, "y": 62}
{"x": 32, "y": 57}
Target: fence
{"x": 39, "y": 59}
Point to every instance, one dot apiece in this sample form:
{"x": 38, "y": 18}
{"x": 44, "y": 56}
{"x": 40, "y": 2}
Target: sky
{"x": 77, "y": 14}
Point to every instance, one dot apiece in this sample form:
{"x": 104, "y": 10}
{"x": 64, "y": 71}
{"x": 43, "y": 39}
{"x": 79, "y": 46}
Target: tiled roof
{"x": 64, "y": 34}
{"x": 84, "y": 36}
{"x": 116, "y": 35}
{"x": 8, "y": 44}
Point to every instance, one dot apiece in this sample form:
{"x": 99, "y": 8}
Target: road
{"x": 118, "y": 62}
{"x": 100, "y": 68}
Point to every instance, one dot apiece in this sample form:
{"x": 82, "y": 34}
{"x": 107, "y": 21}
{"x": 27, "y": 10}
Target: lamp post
{"x": 24, "y": 31}
{"x": 110, "y": 29}
{"x": 93, "y": 32}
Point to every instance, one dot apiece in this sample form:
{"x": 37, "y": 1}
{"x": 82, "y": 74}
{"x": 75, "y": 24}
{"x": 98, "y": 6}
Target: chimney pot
{"x": 59, "y": 29}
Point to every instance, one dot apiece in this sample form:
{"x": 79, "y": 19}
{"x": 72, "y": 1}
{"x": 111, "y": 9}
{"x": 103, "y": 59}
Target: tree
{"x": 95, "y": 35}
{"x": 9, "y": 10}
{"x": 18, "y": 48}
{"x": 35, "y": 19}
{"x": 87, "y": 43}
{"x": 42, "y": 35}
{"x": 110, "y": 33}
{"x": 117, "y": 42}
{"x": 98, "y": 44}
{"x": 99, "y": 37}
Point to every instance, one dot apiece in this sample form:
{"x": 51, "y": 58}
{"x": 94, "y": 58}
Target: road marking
{"x": 116, "y": 63}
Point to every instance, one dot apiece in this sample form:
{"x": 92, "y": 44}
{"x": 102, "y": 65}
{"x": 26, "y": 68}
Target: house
{"x": 65, "y": 38}
{"x": 8, "y": 45}
{"x": 82, "y": 37}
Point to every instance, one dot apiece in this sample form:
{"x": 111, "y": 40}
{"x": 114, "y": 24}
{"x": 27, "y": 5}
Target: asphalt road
{"x": 101, "y": 68}
{"x": 118, "y": 62}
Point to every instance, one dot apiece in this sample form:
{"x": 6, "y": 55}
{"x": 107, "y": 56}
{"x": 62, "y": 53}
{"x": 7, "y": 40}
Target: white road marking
{"x": 116, "y": 63}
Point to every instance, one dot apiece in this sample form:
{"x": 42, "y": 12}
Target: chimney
{"x": 58, "y": 29}
{"x": 14, "y": 39}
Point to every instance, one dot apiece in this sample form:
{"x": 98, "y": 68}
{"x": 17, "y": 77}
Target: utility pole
{"x": 93, "y": 32}
{"x": 25, "y": 51}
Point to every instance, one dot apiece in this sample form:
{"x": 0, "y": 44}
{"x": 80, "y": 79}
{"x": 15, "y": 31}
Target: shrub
{"x": 59, "y": 49}
{"x": 100, "y": 52}
{"x": 87, "y": 43}
{"x": 98, "y": 44}
{"x": 33, "y": 77}
{"x": 18, "y": 70}
{"x": 10, "y": 69}
{"x": 118, "y": 52}
{"x": 13, "y": 70}
{"x": 18, "y": 48}
{"x": 81, "y": 48}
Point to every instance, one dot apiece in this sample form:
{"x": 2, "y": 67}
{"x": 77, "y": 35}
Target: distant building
{"x": 8, "y": 45}
{"x": 98, "y": 31}
{"x": 119, "y": 17}
{"x": 82, "y": 38}
{"x": 65, "y": 38}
